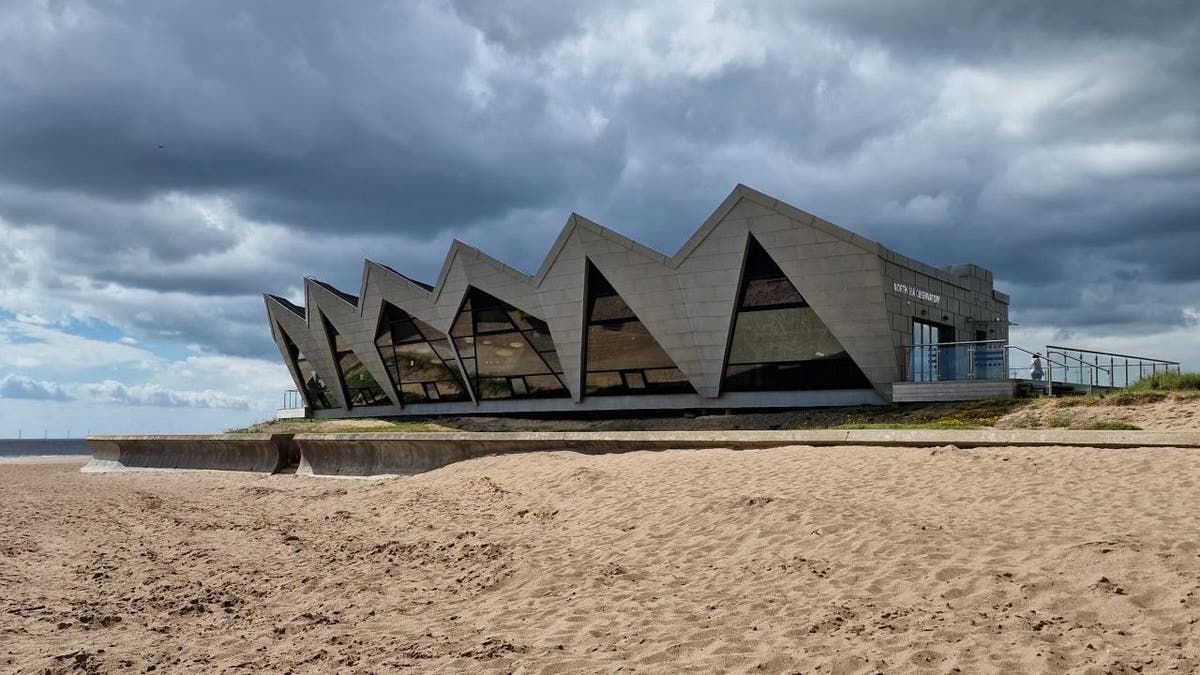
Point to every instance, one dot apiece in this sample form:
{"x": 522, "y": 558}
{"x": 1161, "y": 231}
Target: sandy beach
{"x": 831, "y": 560}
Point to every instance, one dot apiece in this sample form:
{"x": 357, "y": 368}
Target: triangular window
{"x": 778, "y": 342}
{"x": 316, "y": 392}
{"x": 621, "y": 356}
{"x": 506, "y": 352}
{"x": 418, "y": 358}
{"x": 361, "y": 387}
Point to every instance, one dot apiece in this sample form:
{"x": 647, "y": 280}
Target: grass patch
{"x": 1186, "y": 382}
{"x": 1109, "y": 425}
{"x": 938, "y": 424}
{"x": 339, "y": 426}
{"x": 1058, "y": 422}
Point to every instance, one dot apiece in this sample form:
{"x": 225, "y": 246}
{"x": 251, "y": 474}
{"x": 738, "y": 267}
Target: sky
{"x": 164, "y": 163}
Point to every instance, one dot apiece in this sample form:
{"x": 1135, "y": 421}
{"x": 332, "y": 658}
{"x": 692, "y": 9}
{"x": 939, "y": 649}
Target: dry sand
{"x": 1173, "y": 413}
{"x": 832, "y": 560}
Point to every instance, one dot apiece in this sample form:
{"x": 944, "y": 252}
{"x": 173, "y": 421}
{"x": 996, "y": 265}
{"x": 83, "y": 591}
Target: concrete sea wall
{"x": 411, "y": 453}
{"x": 262, "y": 453}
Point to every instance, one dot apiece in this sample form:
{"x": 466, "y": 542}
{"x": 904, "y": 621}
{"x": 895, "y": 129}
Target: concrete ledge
{"x": 264, "y": 453}
{"x": 410, "y": 453}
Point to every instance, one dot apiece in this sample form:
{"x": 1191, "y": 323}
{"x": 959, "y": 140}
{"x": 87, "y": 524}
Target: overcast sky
{"x": 163, "y": 163}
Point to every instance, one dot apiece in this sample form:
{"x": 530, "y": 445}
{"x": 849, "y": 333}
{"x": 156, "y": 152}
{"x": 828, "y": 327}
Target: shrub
{"x": 1168, "y": 382}
{"x": 1058, "y": 421}
{"x": 1109, "y": 425}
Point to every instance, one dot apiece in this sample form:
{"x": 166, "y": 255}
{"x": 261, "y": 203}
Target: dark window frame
{"x": 367, "y": 396}
{"x": 476, "y": 301}
{"x": 598, "y": 287}
{"x": 758, "y": 265}
{"x": 319, "y": 399}
{"x": 396, "y": 373}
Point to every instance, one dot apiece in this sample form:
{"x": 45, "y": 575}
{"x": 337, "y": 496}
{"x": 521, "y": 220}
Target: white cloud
{"x": 18, "y": 386}
{"x": 111, "y": 391}
{"x": 26, "y": 345}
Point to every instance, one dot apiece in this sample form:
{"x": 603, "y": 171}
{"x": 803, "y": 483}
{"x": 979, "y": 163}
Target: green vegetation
{"x": 959, "y": 415}
{"x": 339, "y": 426}
{"x": 944, "y": 423}
{"x": 1186, "y": 382}
{"x": 1146, "y": 390}
{"x": 1058, "y": 422}
{"x": 1109, "y": 425}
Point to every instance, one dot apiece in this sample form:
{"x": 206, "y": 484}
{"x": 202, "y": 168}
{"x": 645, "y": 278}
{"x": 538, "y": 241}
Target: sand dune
{"x": 1173, "y": 413}
{"x": 832, "y": 560}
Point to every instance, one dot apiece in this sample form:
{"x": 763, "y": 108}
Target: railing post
{"x": 1049, "y": 374}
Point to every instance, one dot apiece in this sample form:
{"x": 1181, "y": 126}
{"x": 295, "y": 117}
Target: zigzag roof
{"x": 684, "y": 323}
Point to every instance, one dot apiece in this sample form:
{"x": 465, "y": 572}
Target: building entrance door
{"x": 930, "y": 362}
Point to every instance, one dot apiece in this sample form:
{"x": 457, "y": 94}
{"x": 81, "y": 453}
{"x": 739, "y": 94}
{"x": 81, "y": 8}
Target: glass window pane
{"x": 518, "y": 387}
{"x": 449, "y": 389}
{"x": 600, "y": 383}
{"x": 634, "y": 380}
{"x": 552, "y": 361}
{"x": 399, "y": 331}
{"x": 493, "y": 351}
{"x": 466, "y": 347}
{"x": 442, "y": 347}
{"x": 838, "y": 373}
{"x": 618, "y": 341}
{"x": 410, "y": 359}
{"x": 418, "y": 362}
{"x": 316, "y": 391}
{"x": 360, "y": 384}
{"x": 765, "y": 292}
{"x": 782, "y": 348}
{"x": 462, "y": 325}
{"x": 491, "y": 320}
{"x": 412, "y": 393}
{"x": 504, "y": 354}
{"x": 665, "y": 376}
{"x": 792, "y": 334}
{"x": 540, "y": 339}
{"x": 610, "y": 308}
{"x": 544, "y": 385}
{"x": 521, "y": 319}
{"x": 621, "y": 346}
{"x": 494, "y": 388}
{"x": 431, "y": 391}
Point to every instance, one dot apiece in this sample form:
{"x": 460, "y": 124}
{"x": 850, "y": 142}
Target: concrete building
{"x": 764, "y": 306}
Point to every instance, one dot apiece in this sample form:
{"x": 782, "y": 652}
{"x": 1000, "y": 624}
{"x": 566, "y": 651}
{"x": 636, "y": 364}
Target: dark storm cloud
{"x": 312, "y": 115}
{"x": 174, "y": 158}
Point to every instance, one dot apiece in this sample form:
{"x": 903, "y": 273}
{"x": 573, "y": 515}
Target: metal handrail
{"x": 948, "y": 344}
{"x": 1114, "y": 354}
{"x": 924, "y": 362}
{"x": 1062, "y": 351}
{"x": 1040, "y": 356}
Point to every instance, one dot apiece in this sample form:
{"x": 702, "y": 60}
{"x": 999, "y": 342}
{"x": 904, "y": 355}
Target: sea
{"x": 13, "y": 450}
